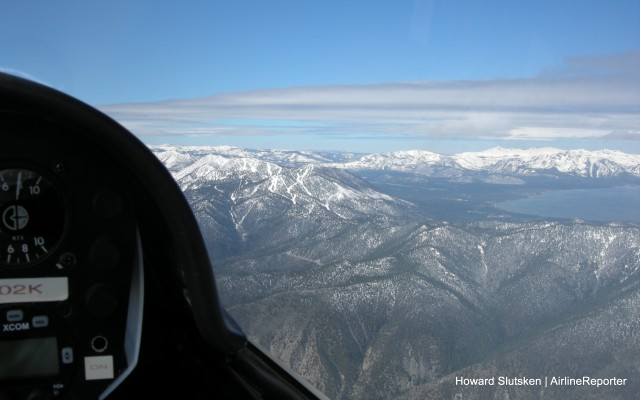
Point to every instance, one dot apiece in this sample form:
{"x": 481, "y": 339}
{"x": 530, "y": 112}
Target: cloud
{"x": 588, "y": 97}
{"x": 622, "y": 135}
{"x": 553, "y": 133}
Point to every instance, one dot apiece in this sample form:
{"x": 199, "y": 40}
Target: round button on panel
{"x": 99, "y": 344}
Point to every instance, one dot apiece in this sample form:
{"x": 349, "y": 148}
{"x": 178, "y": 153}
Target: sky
{"x": 371, "y": 76}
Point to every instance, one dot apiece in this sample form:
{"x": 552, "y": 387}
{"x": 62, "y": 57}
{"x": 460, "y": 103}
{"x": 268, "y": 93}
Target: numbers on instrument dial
{"x": 32, "y": 217}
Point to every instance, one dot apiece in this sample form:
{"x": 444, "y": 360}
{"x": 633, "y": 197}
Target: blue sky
{"x": 354, "y": 75}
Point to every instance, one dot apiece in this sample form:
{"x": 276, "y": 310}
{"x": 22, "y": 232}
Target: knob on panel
{"x": 99, "y": 344}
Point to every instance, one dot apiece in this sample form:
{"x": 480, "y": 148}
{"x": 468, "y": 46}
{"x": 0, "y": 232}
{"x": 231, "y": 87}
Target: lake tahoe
{"x": 602, "y": 204}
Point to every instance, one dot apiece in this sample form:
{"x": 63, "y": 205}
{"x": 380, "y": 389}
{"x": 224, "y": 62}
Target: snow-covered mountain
{"x": 402, "y": 161}
{"x": 301, "y": 179}
{"x": 362, "y": 292}
{"x": 583, "y": 163}
{"x": 214, "y": 168}
{"x": 174, "y": 157}
{"x": 495, "y": 161}
{"x": 240, "y": 196}
{"x": 498, "y": 160}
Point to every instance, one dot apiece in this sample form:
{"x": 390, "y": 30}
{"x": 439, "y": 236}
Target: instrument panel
{"x": 70, "y": 264}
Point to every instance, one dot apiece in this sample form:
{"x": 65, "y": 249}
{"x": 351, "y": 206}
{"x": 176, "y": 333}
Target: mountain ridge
{"x": 369, "y": 296}
{"x": 497, "y": 160}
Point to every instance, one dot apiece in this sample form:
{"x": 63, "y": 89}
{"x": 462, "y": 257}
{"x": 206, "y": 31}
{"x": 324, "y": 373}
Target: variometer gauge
{"x": 32, "y": 217}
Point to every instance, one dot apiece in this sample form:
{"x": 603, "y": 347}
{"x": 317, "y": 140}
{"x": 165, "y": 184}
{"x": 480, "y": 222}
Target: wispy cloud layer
{"x": 589, "y": 97}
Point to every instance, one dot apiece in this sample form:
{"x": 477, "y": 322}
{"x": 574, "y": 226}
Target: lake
{"x": 602, "y": 204}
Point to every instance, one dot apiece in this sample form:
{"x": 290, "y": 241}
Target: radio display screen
{"x": 29, "y": 358}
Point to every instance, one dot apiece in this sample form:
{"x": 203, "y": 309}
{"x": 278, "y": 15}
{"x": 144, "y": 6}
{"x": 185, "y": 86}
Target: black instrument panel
{"x": 68, "y": 255}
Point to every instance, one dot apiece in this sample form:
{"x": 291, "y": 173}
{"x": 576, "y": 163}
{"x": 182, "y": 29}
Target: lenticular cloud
{"x": 586, "y": 98}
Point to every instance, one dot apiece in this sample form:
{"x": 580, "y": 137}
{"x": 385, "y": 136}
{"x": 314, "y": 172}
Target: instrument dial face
{"x": 32, "y": 217}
